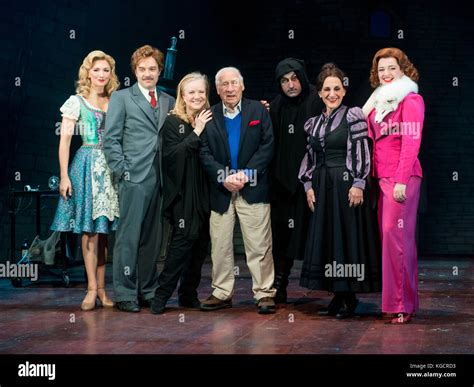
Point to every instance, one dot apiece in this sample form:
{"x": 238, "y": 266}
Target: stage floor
{"x": 45, "y": 318}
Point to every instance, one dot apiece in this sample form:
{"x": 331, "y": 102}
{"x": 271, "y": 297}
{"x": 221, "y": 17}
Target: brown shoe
{"x": 266, "y": 305}
{"x": 214, "y": 303}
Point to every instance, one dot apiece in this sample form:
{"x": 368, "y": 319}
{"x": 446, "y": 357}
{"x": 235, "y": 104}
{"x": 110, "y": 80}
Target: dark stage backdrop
{"x": 43, "y": 44}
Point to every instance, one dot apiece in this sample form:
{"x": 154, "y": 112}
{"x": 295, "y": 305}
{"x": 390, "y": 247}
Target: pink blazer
{"x": 397, "y": 140}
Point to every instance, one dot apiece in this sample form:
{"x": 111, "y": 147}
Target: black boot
{"x": 282, "y": 273}
{"x": 280, "y": 283}
{"x": 351, "y": 302}
{"x": 334, "y": 306}
{"x": 281, "y": 279}
{"x": 281, "y": 296}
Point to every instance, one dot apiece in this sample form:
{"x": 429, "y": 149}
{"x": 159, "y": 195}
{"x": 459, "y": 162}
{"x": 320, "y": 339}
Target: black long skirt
{"x": 343, "y": 251}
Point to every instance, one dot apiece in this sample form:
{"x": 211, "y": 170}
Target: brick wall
{"x": 36, "y": 47}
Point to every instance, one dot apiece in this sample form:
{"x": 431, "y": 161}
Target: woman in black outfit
{"x": 342, "y": 252}
{"x": 185, "y": 195}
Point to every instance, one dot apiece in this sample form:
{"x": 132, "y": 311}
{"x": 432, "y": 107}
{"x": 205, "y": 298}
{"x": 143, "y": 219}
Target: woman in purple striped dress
{"x": 342, "y": 252}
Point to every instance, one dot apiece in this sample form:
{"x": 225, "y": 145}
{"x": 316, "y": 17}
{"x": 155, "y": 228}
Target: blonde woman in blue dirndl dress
{"x": 88, "y": 202}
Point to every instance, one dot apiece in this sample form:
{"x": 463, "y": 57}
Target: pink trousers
{"x": 397, "y": 223}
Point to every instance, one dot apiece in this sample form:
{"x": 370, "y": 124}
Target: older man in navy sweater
{"x": 237, "y": 147}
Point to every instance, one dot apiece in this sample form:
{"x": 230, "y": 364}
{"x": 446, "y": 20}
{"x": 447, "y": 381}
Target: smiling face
{"x": 230, "y": 88}
{"x": 194, "y": 95}
{"x": 100, "y": 73}
{"x": 332, "y": 93}
{"x": 147, "y": 73}
{"x": 388, "y": 70}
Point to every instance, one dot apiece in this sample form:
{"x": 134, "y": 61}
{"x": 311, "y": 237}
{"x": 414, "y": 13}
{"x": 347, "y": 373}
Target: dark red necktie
{"x": 153, "y": 99}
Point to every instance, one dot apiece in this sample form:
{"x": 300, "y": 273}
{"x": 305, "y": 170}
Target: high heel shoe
{"x": 402, "y": 318}
{"x": 89, "y": 305}
{"x": 104, "y": 299}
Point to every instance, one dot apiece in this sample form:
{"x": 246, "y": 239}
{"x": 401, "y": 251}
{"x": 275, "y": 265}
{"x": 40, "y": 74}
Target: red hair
{"x": 402, "y": 59}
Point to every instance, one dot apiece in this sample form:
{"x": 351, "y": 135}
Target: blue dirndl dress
{"x": 93, "y": 206}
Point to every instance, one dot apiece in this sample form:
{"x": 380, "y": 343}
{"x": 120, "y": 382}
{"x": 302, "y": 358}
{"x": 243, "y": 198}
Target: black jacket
{"x": 185, "y": 188}
{"x": 290, "y": 147}
{"x": 255, "y": 153}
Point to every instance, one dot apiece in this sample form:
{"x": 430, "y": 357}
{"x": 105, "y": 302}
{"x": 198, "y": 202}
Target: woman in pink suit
{"x": 395, "y": 113}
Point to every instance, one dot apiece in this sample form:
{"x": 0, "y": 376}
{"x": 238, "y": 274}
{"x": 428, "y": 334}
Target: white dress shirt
{"x": 146, "y": 91}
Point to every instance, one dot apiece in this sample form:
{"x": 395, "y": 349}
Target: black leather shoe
{"x": 349, "y": 310}
{"x": 327, "y": 312}
{"x": 128, "y": 306}
{"x": 190, "y": 304}
{"x": 157, "y": 306}
{"x": 281, "y": 296}
{"x": 333, "y": 308}
{"x": 142, "y": 303}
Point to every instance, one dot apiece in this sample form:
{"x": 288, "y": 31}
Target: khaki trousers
{"x": 257, "y": 234}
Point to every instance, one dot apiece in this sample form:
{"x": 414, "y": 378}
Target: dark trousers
{"x": 283, "y": 265}
{"x": 137, "y": 239}
{"x": 183, "y": 263}
{"x": 290, "y": 217}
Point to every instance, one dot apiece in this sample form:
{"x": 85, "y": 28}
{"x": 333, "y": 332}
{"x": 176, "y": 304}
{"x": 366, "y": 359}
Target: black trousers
{"x": 183, "y": 263}
{"x": 290, "y": 217}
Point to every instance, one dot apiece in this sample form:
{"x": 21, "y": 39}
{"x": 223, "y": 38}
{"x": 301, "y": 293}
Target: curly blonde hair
{"x": 180, "y": 106}
{"x": 392, "y": 52}
{"x": 83, "y": 83}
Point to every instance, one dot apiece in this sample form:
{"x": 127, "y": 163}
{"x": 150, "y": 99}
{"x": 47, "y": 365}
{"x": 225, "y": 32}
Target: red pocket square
{"x": 254, "y": 122}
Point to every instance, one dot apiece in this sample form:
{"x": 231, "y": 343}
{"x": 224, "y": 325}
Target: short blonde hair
{"x": 180, "y": 106}
{"x": 83, "y": 83}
